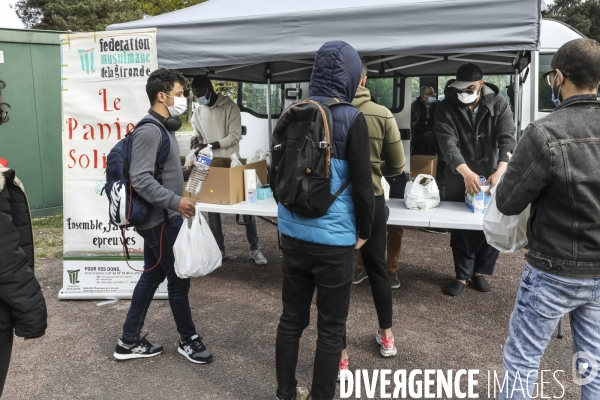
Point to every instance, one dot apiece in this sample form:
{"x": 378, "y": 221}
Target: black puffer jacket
{"x": 22, "y": 303}
{"x": 480, "y": 145}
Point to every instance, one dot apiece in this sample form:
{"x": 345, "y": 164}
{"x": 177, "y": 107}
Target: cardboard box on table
{"x": 423, "y": 165}
{"x": 225, "y": 185}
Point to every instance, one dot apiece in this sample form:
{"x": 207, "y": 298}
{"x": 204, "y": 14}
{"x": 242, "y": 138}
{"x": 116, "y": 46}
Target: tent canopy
{"x": 256, "y": 40}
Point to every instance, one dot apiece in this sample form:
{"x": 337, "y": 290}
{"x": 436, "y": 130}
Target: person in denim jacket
{"x": 555, "y": 169}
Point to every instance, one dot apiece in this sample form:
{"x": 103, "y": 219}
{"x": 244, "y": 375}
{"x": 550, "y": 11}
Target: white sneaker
{"x": 258, "y": 257}
{"x": 387, "y": 345}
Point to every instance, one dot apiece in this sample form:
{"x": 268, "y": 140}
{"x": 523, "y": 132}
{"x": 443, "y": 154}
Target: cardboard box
{"x": 225, "y": 185}
{"x": 423, "y": 165}
{"x": 478, "y": 203}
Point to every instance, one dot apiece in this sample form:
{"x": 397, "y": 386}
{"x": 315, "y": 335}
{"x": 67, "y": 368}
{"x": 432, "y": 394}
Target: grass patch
{"x": 48, "y": 236}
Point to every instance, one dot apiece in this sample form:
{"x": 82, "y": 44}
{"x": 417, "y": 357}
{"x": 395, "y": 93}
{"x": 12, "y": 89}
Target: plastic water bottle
{"x": 200, "y": 170}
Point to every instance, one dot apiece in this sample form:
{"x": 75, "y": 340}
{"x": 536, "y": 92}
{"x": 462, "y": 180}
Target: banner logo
{"x": 73, "y": 276}
{"x": 87, "y": 60}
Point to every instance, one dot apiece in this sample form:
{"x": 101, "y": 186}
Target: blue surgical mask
{"x": 556, "y": 99}
{"x": 204, "y": 100}
{"x": 431, "y": 100}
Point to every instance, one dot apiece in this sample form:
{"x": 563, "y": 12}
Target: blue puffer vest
{"x": 336, "y": 73}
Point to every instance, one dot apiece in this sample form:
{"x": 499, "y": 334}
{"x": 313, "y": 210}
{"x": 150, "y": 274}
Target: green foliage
{"x": 583, "y": 15}
{"x": 226, "y": 88}
{"x": 75, "y": 15}
{"x": 157, "y": 7}
{"x": 254, "y": 97}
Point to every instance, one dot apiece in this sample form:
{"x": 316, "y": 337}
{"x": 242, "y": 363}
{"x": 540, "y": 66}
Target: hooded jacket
{"x": 336, "y": 74}
{"x": 384, "y": 137}
{"x": 220, "y": 123}
{"x": 555, "y": 168}
{"x": 480, "y": 144}
{"x": 22, "y": 303}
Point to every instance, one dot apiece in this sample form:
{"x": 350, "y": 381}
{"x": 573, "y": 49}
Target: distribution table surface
{"x": 449, "y": 215}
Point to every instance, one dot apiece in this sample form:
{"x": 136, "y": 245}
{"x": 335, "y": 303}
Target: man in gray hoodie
{"x": 217, "y": 121}
{"x": 165, "y": 92}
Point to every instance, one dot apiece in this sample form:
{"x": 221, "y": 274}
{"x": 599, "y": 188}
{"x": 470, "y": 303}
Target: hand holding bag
{"x": 422, "y": 194}
{"x": 196, "y": 250}
{"x": 506, "y": 233}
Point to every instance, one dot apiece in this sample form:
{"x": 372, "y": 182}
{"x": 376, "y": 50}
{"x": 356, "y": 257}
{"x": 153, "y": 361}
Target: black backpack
{"x": 301, "y": 151}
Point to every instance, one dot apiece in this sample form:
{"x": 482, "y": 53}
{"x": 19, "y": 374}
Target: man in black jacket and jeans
{"x": 555, "y": 169}
{"x": 475, "y": 130}
{"x": 22, "y": 304}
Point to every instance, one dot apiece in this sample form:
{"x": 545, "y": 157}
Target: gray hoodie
{"x": 220, "y": 123}
{"x": 143, "y": 159}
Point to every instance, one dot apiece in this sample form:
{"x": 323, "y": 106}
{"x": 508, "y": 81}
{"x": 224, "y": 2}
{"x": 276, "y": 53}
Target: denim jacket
{"x": 555, "y": 168}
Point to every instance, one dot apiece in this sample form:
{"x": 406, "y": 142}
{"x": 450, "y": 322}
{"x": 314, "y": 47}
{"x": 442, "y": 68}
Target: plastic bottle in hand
{"x": 200, "y": 170}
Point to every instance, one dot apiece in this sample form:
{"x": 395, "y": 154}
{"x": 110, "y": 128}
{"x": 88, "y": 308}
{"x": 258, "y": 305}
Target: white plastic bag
{"x": 235, "y": 161}
{"x": 422, "y": 194}
{"x": 196, "y": 250}
{"x": 506, "y": 233}
{"x": 190, "y": 158}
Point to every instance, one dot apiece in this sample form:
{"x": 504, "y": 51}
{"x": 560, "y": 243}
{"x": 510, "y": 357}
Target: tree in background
{"x": 76, "y": 15}
{"x": 158, "y": 7}
{"x": 583, "y": 15}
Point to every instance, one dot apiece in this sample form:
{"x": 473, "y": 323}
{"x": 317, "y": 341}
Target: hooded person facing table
{"x": 475, "y": 129}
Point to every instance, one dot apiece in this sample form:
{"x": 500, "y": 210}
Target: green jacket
{"x": 387, "y": 152}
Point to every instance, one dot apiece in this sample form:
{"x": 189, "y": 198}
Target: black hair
{"x": 3, "y": 106}
{"x": 579, "y": 59}
{"x": 162, "y": 81}
{"x": 200, "y": 81}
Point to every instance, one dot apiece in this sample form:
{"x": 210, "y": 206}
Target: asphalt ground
{"x": 236, "y": 310}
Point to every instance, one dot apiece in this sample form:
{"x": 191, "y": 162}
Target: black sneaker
{"x": 394, "y": 281}
{"x": 195, "y": 351}
{"x": 141, "y": 349}
{"x": 358, "y": 278}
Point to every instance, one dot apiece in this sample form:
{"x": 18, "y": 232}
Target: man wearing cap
{"x": 475, "y": 129}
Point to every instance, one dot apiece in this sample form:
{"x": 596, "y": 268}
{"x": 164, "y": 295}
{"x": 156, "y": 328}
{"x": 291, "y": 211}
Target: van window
{"x": 545, "y": 103}
{"x": 252, "y": 98}
{"x": 388, "y": 92}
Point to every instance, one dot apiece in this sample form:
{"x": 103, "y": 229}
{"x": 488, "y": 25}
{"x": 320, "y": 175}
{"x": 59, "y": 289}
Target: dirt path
{"x": 236, "y": 309}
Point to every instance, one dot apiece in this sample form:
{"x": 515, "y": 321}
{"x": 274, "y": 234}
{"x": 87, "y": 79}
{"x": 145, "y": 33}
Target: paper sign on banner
{"x": 104, "y": 78}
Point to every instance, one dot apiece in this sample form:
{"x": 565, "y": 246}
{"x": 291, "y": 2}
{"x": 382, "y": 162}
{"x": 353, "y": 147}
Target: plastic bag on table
{"x": 196, "y": 250}
{"x": 422, "y": 193}
{"x": 506, "y": 233}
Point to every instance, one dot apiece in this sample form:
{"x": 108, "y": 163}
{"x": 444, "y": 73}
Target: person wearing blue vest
{"x": 321, "y": 252}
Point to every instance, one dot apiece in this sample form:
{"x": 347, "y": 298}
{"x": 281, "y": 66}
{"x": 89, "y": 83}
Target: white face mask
{"x": 468, "y": 98}
{"x": 179, "y": 106}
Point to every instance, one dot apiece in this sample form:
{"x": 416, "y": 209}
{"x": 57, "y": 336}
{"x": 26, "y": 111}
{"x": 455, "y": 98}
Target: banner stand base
{"x": 104, "y": 296}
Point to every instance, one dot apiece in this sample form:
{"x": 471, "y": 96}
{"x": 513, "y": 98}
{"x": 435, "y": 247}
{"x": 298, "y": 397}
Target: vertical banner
{"x": 104, "y": 78}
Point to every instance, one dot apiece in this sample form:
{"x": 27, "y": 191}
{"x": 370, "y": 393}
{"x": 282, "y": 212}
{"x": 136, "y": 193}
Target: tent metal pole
{"x": 269, "y": 121}
{"x": 516, "y": 102}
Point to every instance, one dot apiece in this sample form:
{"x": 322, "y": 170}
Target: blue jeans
{"x": 214, "y": 223}
{"x": 177, "y": 288}
{"x": 541, "y": 302}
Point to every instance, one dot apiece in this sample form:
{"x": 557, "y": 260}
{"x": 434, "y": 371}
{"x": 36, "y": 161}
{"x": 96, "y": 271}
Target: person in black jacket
{"x": 22, "y": 305}
{"x": 476, "y": 130}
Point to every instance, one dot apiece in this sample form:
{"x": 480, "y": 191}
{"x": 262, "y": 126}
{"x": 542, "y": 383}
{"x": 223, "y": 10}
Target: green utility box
{"x": 31, "y": 139}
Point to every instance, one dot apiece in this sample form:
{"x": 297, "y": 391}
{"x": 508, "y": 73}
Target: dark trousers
{"x": 177, "y": 288}
{"x": 6, "y": 344}
{"x": 373, "y": 256}
{"x": 214, "y": 223}
{"x": 307, "y": 266}
{"x": 472, "y": 253}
